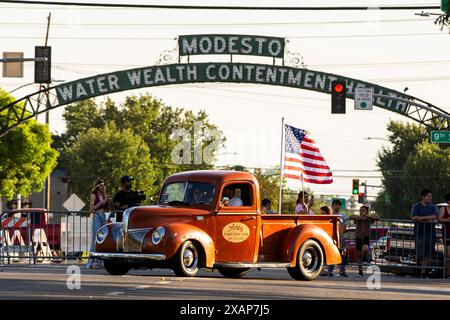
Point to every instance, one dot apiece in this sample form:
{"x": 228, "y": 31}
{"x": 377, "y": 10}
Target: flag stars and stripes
{"x": 303, "y": 158}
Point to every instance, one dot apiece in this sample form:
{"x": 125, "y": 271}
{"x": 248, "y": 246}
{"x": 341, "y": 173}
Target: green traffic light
{"x": 355, "y": 186}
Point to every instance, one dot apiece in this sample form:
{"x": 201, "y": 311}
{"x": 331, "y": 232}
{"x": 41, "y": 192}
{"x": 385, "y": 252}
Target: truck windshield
{"x": 187, "y": 193}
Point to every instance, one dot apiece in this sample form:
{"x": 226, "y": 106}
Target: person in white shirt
{"x": 303, "y": 198}
{"x": 235, "y": 201}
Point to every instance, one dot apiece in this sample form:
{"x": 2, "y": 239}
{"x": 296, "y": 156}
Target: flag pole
{"x": 281, "y": 165}
{"x": 303, "y": 196}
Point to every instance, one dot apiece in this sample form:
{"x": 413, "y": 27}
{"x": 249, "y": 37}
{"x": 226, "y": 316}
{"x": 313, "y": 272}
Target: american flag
{"x": 303, "y": 157}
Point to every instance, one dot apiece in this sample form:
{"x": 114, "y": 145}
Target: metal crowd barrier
{"x": 393, "y": 244}
{"x": 35, "y": 235}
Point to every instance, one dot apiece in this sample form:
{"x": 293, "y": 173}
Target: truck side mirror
{"x": 223, "y": 202}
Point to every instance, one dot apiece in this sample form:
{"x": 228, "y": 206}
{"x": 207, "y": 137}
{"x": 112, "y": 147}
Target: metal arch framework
{"x": 50, "y": 98}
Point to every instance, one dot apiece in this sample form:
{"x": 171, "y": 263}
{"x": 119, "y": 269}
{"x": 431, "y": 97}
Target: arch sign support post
{"x": 287, "y": 74}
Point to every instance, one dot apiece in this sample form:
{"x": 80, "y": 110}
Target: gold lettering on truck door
{"x": 235, "y": 232}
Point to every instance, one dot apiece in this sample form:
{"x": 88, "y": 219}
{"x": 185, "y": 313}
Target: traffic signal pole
{"x": 46, "y": 191}
{"x": 22, "y": 59}
{"x": 47, "y": 119}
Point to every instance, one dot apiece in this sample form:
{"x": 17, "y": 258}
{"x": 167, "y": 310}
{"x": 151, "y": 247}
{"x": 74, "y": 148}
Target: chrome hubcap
{"x": 307, "y": 259}
{"x": 188, "y": 258}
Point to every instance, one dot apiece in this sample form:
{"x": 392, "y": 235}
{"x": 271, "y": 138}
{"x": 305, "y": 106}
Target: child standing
{"x": 362, "y": 235}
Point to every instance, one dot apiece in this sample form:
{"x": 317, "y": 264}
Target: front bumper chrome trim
{"x": 134, "y": 256}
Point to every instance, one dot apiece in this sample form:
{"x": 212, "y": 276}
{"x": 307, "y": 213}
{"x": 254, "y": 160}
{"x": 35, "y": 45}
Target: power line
{"x": 214, "y": 24}
{"x": 342, "y": 65}
{"x": 203, "y": 7}
{"x": 442, "y": 34}
{"x": 378, "y": 64}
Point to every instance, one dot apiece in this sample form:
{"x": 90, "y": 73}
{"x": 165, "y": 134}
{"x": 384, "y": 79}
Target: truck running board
{"x": 251, "y": 265}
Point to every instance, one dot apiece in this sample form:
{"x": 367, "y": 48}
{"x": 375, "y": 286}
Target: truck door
{"x": 236, "y": 224}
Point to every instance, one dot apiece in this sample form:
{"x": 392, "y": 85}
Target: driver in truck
{"x": 230, "y": 193}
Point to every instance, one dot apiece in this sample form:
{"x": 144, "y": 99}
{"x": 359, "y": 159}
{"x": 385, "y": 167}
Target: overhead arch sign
{"x": 231, "y": 44}
{"x": 218, "y": 72}
{"x": 282, "y": 72}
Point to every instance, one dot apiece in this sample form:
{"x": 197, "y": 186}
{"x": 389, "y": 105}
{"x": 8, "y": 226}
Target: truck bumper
{"x": 127, "y": 256}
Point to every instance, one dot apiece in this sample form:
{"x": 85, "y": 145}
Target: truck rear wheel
{"x": 309, "y": 261}
{"x": 233, "y": 272}
{"x": 186, "y": 260}
{"x": 116, "y": 268}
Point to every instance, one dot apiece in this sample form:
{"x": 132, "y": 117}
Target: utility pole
{"x": 47, "y": 119}
{"x": 46, "y": 191}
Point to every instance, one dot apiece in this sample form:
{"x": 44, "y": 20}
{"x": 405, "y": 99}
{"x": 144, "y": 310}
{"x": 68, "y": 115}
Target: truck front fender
{"x": 175, "y": 235}
{"x": 298, "y": 235}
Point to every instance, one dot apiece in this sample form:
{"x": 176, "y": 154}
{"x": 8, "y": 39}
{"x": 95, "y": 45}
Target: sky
{"x": 395, "y": 49}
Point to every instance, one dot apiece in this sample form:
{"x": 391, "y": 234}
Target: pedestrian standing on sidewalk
{"x": 362, "y": 236}
{"x": 98, "y": 206}
{"x": 424, "y": 214}
{"x": 336, "y": 207}
{"x": 444, "y": 218}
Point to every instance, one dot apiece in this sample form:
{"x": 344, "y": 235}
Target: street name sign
{"x": 73, "y": 203}
{"x": 363, "y": 98}
{"x": 440, "y": 136}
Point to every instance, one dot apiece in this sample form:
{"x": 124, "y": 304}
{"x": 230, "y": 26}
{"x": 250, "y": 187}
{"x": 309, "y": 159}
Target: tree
{"x": 269, "y": 186}
{"x": 411, "y": 165}
{"x": 26, "y": 156}
{"x": 107, "y": 153}
{"x": 443, "y": 20}
{"x": 150, "y": 120}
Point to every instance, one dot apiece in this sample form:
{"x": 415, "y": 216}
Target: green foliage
{"x": 147, "y": 121}
{"x": 27, "y": 158}
{"x": 108, "y": 153}
{"x": 443, "y": 21}
{"x": 411, "y": 165}
{"x": 269, "y": 186}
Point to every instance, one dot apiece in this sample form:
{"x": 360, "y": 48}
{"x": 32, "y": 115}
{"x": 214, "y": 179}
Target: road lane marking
{"x": 114, "y": 293}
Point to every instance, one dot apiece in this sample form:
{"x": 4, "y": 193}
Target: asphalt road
{"x": 50, "y": 282}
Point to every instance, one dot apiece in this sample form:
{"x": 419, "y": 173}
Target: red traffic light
{"x": 361, "y": 197}
{"x": 338, "y": 88}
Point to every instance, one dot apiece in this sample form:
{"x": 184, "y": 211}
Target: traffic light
{"x": 445, "y": 5}
{"x": 355, "y": 189}
{"x": 42, "y": 69}
{"x": 338, "y": 94}
{"x": 361, "y": 197}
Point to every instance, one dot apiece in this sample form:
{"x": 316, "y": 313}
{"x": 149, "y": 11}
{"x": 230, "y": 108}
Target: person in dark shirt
{"x": 424, "y": 213}
{"x": 122, "y": 199}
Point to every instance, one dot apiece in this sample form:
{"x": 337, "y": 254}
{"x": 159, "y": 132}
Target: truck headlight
{"x": 102, "y": 233}
{"x": 158, "y": 234}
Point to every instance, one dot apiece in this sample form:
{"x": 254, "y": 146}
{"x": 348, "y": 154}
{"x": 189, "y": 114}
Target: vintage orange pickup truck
{"x": 212, "y": 219}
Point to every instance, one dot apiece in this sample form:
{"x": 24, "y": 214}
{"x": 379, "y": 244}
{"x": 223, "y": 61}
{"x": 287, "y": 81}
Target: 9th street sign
{"x": 440, "y": 136}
